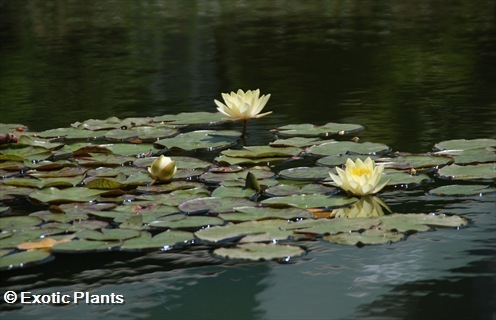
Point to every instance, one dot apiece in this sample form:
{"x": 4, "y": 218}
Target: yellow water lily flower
{"x": 243, "y": 105}
{"x": 360, "y": 178}
{"x": 163, "y": 168}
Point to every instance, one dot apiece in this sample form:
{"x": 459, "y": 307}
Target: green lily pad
{"x": 38, "y": 142}
{"x": 347, "y": 147}
{"x": 262, "y": 152}
{"x": 54, "y": 195}
{"x": 404, "y": 179}
{"x": 148, "y": 133}
{"x": 420, "y": 222}
{"x": 310, "y": 130}
{"x": 414, "y": 161}
{"x": 372, "y": 236}
{"x": 108, "y": 234}
{"x": 480, "y": 172}
{"x": 331, "y": 226}
{"x": 49, "y": 216}
{"x": 462, "y": 190}
{"x": 464, "y": 144}
{"x": 234, "y": 192}
{"x": 231, "y": 161}
{"x": 305, "y": 173}
{"x": 262, "y": 213}
{"x": 270, "y": 228}
{"x": 260, "y": 251}
{"x": 19, "y": 222}
{"x": 24, "y": 259}
{"x": 184, "y": 221}
{"x": 207, "y": 140}
{"x": 80, "y": 246}
{"x": 216, "y": 177}
{"x": 163, "y": 240}
{"x": 339, "y": 160}
{"x": 471, "y": 156}
{"x": 299, "y": 142}
{"x": 19, "y": 152}
{"x": 214, "y": 204}
{"x": 191, "y": 118}
{"x": 21, "y": 235}
{"x": 71, "y": 134}
{"x": 310, "y": 201}
{"x": 43, "y": 183}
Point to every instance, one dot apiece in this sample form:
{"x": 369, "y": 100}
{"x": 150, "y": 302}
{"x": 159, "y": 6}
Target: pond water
{"x": 413, "y": 73}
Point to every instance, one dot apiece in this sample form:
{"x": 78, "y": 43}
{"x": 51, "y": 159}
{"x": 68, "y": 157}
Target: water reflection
{"x": 365, "y": 207}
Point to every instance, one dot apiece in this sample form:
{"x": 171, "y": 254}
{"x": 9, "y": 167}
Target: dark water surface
{"x": 413, "y": 72}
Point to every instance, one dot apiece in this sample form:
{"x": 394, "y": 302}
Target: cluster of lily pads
{"x": 88, "y": 188}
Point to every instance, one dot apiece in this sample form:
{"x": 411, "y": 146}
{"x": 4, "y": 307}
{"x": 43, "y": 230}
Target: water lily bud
{"x": 360, "y": 178}
{"x": 163, "y": 168}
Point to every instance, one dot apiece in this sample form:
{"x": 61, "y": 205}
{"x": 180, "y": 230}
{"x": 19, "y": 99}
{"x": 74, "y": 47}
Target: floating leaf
{"x": 54, "y": 195}
{"x": 185, "y": 221}
{"x": 346, "y": 147}
{"x": 191, "y": 118}
{"x": 471, "y": 156}
{"x": 201, "y": 140}
{"x": 420, "y": 222}
{"x": 305, "y": 173}
{"x": 77, "y": 246}
{"x": 43, "y": 183}
{"x": 230, "y": 231}
{"x": 485, "y": 171}
{"x": 24, "y": 259}
{"x": 310, "y": 130}
{"x": 44, "y": 244}
{"x": 234, "y": 192}
{"x": 258, "y": 172}
{"x": 19, "y": 222}
{"x": 464, "y": 144}
{"x": 404, "y": 179}
{"x": 373, "y": 236}
{"x": 296, "y": 142}
{"x": 260, "y": 251}
{"x": 108, "y": 234}
{"x": 339, "y": 160}
{"x": 414, "y": 161}
{"x": 310, "y": 201}
{"x": 331, "y": 226}
{"x": 262, "y": 152}
{"x": 71, "y": 133}
{"x": 462, "y": 190}
{"x": 162, "y": 240}
{"x": 214, "y": 205}
{"x": 148, "y": 134}
{"x": 261, "y": 213}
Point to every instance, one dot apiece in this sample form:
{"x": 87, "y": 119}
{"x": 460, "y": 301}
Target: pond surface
{"x": 413, "y": 73}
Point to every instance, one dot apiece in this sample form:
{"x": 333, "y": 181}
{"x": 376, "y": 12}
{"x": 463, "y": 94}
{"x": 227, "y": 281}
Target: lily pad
{"x": 310, "y": 201}
{"x": 24, "y": 259}
{"x": 262, "y": 152}
{"x": 310, "y": 130}
{"x": 481, "y": 172}
{"x": 207, "y": 140}
{"x": 414, "y": 161}
{"x": 404, "y": 179}
{"x": 262, "y": 213}
{"x": 148, "y": 133}
{"x": 54, "y": 195}
{"x": 185, "y": 221}
{"x": 462, "y": 190}
{"x": 305, "y": 173}
{"x": 464, "y": 144}
{"x": 471, "y": 156}
{"x": 331, "y": 226}
{"x": 108, "y": 234}
{"x": 163, "y": 240}
{"x": 299, "y": 142}
{"x": 235, "y": 192}
{"x": 260, "y": 251}
{"x": 214, "y": 204}
{"x": 372, "y": 236}
{"x": 347, "y": 147}
{"x": 230, "y": 231}
{"x": 191, "y": 118}
{"x": 80, "y": 246}
{"x": 339, "y": 160}
{"x": 215, "y": 177}
{"x": 19, "y": 222}
{"x": 420, "y": 222}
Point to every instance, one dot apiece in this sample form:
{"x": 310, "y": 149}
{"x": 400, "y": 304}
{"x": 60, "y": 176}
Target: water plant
{"x": 242, "y": 105}
{"x": 162, "y": 169}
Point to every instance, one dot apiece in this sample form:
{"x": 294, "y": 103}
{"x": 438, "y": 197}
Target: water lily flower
{"x": 162, "y": 169}
{"x": 360, "y": 178}
{"x": 243, "y": 105}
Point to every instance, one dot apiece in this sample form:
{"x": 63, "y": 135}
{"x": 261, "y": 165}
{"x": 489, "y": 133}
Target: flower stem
{"x": 245, "y": 125}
